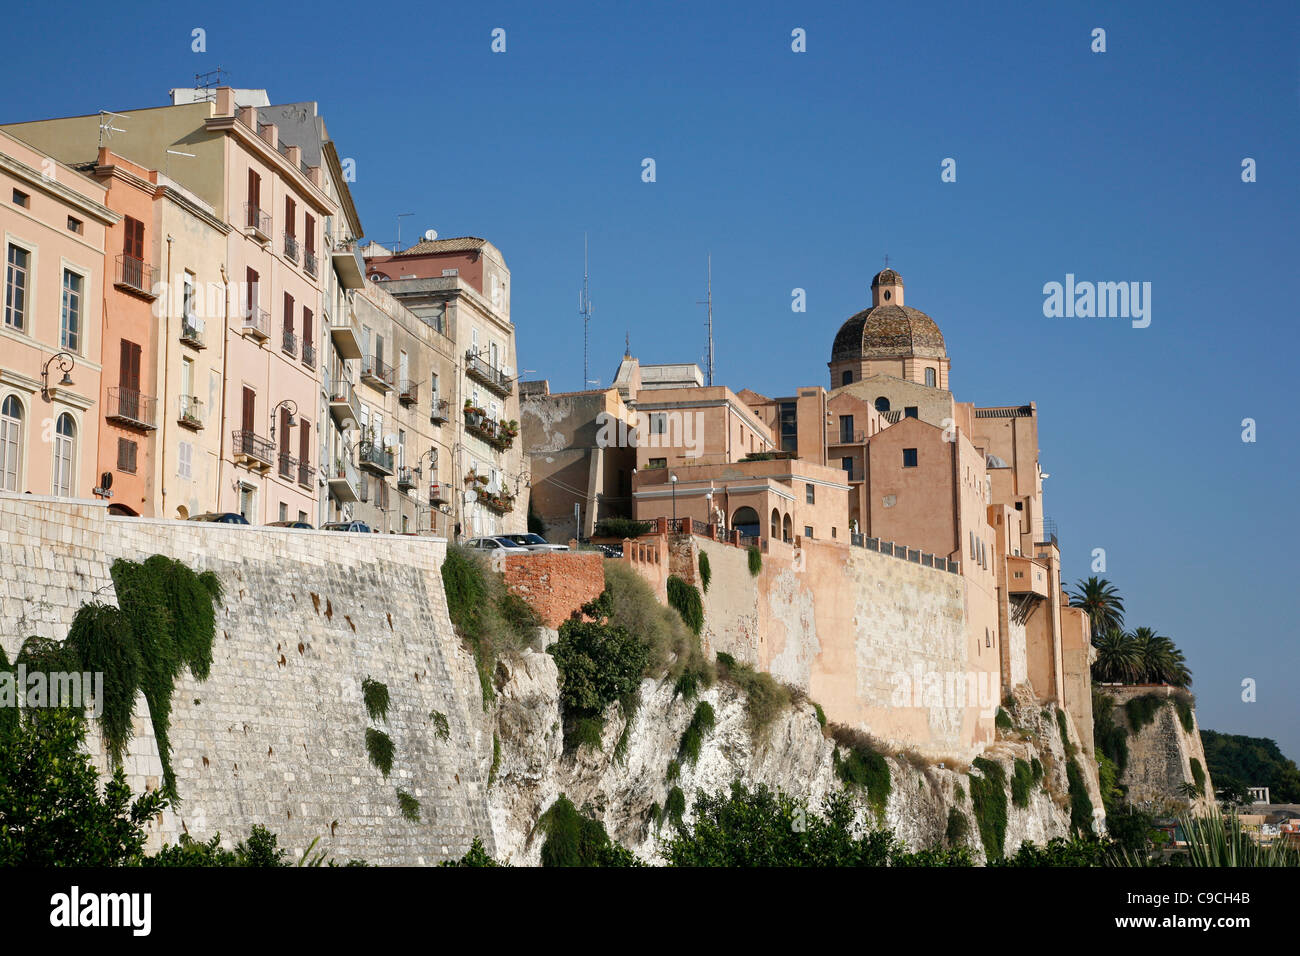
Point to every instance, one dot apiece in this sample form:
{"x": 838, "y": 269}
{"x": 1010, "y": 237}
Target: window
{"x": 882, "y": 404}
{"x": 911, "y": 411}
{"x": 846, "y": 429}
{"x": 250, "y": 291}
{"x": 909, "y": 457}
{"x": 247, "y": 501}
{"x": 309, "y": 233}
{"x": 847, "y": 464}
{"x": 304, "y": 444}
{"x": 254, "y": 198}
{"x": 658, "y": 423}
{"x": 76, "y": 225}
{"x": 284, "y": 508}
{"x": 22, "y": 199}
{"x": 807, "y": 531}
{"x": 929, "y": 377}
{"x": 65, "y": 447}
{"x": 133, "y": 249}
{"x": 187, "y": 296}
{"x": 835, "y": 532}
{"x": 126, "y": 455}
{"x": 307, "y": 333}
{"x": 290, "y": 219}
{"x": 810, "y": 494}
{"x": 972, "y": 545}
{"x": 302, "y": 516}
{"x": 789, "y": 426}
{"x": 988, "y": 641}
{"x": 11, "y": 442}
{"x": 433, "y": 387}
{"x": 185, "y": 460}
{"x": 288, "y": 316}
{"x": 847, "y": 377}
{"x": 658, "y": 463}
{"x": 70, "y": 317}
{"x": 17, "y": 263}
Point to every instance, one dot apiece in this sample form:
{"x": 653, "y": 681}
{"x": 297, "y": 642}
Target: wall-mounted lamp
{"x": 66, "y": 362}
{"x": 292, "y": 406}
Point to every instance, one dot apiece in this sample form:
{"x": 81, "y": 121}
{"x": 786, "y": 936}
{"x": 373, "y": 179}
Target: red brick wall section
{"x": 556, "y": 583}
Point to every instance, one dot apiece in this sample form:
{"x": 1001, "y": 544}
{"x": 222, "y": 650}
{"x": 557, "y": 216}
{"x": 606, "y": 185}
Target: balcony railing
{"x": 344, "y": 405}
{"x": 374, "y": 372}
{"x": 191, "y": 412}
{"x": 257, "y": 323}
{"x": 349, "y": 265}
{"x": 408, "y": 392}
{"x": 439, "y": 493}
{"x": 345, "y": 335}
{"x": 309, "y": 263}
{"x": 904, "y": 553}
{"x": 257, "y": 220}
{"x": 405, "y": 478}
{"x": 130, "y": 408}
{"x": 291, "y": 247}
{"x": 192, "y": 332}
{"x": 288, "y": 466}
{"x": 500, "y": 501}
{"x": 375, "y": 458}
{"x": 306, "y": 473}
{"x": 489, "y": 375}
{"x": 850, "y": 437}
{"x": 289, "y": 343}
{"x": 252, "y": 449}
{"x": 136, "y": 275}
{"x": 440, "y": 411}
{"x": 344, "y": 480}
{"x": 500, "y": 435}
{"x": 308, "y": 354}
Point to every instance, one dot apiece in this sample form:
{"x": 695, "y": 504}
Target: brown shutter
{"x": 288, "y": 312}
{"x": 290, "y": 209}
{"x": 306, "y": 326}
{"x": 130, "y": 368}
{"x": 254, "y": 189}
{"x": 304, "y": 443}
{"x": 309, "y": 232}
{"x": 250, "y": 408}
{"x": 251, "y": 292}
{"x": 284, "y": 431}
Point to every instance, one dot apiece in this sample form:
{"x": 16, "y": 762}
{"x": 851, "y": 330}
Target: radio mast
{"x": 708, "y": 301}
{"x": 584, "y": 310}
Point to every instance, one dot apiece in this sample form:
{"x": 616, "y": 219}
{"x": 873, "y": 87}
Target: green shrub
{"x": 959, "y": 791}
{"x": 410, "y": 806}
{"x": 1109, "y": 737}
{"x": 615, "y": 527}
{"x": 1063, "y": 724}
{"x": 688, "y": 751}
{"x": 685, "y": 598}
{"x": 1002, "y": 720}
{"x": 101, "y": 639}
{"x": 764, "y": 697}
{"x": 1036, "y": 766}
{"x": 629, "y": 703}
{"x": 193, "y": 616}
{"x": 674, "y": 770}
{"x": 1080, "y": 802}
{"x": 1022, "y": 783}
{"x": 675, "y": 806}
{"x": 863, "y": 767}
{"x": 628, "y": 602}
{"x": 379, "y": 747}
{"x": 1142, "y": 711}
{"x": 440, "y": 726}
{"x": 598, "y": 664}
{"x": 755, "y": 560}
{"x": 475, "y": 856}
{"x": 575, "y": 839}
{"x": 586, "y": 732}
{"x": 1198, "y": 774}
{"x": 706, "y": 572}
{"x": 821, "y": 715}
{"x": 375, "y": 694}
{"x": 496, "y": 758}
{"x": 958, "y": 828}
{"x": 988, "y": 792}
{"x": 1183, "y": 705}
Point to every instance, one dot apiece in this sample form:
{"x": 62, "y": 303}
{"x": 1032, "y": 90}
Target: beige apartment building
{"x": 55, "y": 223}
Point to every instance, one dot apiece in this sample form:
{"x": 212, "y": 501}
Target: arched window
{"x": 65, "y": 454}
{"x": 847, "y": 377}
{"x": 745, "y": 520}
{"x": 776, "y": 524}
{"x": 929, "y": 377}
{"x": 787, "y": 530}
{"x": 882, "y": 404}
{"x": 11, "y": 442}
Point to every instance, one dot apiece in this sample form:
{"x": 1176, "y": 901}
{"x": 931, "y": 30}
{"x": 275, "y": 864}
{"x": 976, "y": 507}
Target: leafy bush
{"x": 688, "y": 751}
{"x": 675, "y": 806}
{"x": 1198, "y": 774}
{"x": 755, "y": 560}
{"x": 261, "y": 849}
{"x": 685, "y": 598}
{"x": 379, "y": 747}
{"x": 1109, "y": 737}
{"x": 958, "y": 828}
{"x": 628, "y": 602}
{"x": 1142, "y": 711}
{"x": 1060, "y": 852}
{"x": 1022, "y": 782}
{"x": 1002, "y": 720}
{"x": 615, "y": 527}
{"x": 1183, "y": 705}
{"x": 375, "y": 694}
{"x": 410, "y": 806}
{"x": 101, "y": 639}
{"x": 598, "y": 664}
{"x": 821, "y": 715}
{"x": 575, "y": 839}
{"x": 475, "y": 856}
{"x": 441, "y": 728}
{"x": 864, "y": 767}
{"x": 988, "y": 791}
{"x": 764, "y": 697}
{"x": 1063, "y": 724}
{"x": 1080, "y": 802}
{"x": 706, "y": 571}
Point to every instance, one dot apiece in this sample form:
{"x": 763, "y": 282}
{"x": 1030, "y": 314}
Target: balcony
{"x": 500, "y": 435}
{"x": 136, "y": 276}
{"x": 309, "y": 263}
{"x": 376, "y": 374}
{"x": 306, "y": 473}
{"x": 488, "y": 375}
{"x": 289, "y": 343}
{"x": 347, "y": 261}
{"x": 344, "y": 481}
{"x": 1026, "y": 576}
{"x": 257, "y": 323}
{"x": 502, "y": 502}
{"x": 439, "y": 493}
{"x": 440, "y": 411}
{"x": 408, "y": 392}
{"x": 291, "y": 247}
{"x": 308, "y": 354}
{"x": 192, "y": 332}
{"x": 252, "y": 450}
{"x": 345, "y": 336}
{"x": 191, "y": 413}
{"x": 344, "y": 404}
{"x": 287, "y": 466}
{"x": 257, "y": 222}
{"x": 405, "y": 478}
{"x": 130, "y": 409}
{"x": 375, "y": 459}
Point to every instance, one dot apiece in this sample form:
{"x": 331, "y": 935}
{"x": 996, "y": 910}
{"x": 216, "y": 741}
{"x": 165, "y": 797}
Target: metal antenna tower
{"x": 708, "y": 300}
{"x": 584, "y": 310}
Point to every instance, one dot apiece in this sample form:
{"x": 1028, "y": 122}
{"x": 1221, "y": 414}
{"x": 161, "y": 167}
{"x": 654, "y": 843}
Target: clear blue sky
{"x": 804, "y": 170}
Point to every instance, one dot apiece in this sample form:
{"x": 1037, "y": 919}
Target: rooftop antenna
{"x": 207, "y": 83}
{"x": 708, "y": 300}
{"x": 584, "y": 310}
{"x": 400, "y": 217}
{"x": 106, "y": 127}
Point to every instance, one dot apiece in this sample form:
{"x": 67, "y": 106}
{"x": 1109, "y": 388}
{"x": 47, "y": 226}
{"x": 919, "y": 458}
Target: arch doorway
{"x": 745, "y": 520}
{"x": 775, "y": 532}
{"x": 787, "y": 530}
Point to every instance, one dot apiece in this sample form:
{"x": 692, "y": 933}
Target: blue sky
{"x": 805, "y": 170}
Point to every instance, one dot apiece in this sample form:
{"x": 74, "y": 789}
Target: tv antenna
{"x": 400, "y": 217}
{"x": 205, "y": 84}
{"x": 708, "y": 301}
{"x": 106, "y": 127}
{"x": 584, "y": 310}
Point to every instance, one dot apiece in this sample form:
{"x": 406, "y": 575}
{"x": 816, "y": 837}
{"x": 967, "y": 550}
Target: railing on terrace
{"x": 136, "y": 274}
{"x": 309, "y": 262}
{"x": 491, "y": 376}
{"x": 258, "y": 322}
{"x": 257, "y": 218}
{"x": 290, "y": 342}
{"x": 305, "y": 474}
{"x": 308, "y": 354}
{"x": 127, "y": 406}
{"x": 291, "y": 247}
{"x": 288, "y": 466}
{"x": 903, "y": 552}
{"x": 191, "y": 411}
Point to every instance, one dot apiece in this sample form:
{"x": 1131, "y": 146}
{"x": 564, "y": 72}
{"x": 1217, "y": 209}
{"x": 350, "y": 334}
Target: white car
{"x": 502, "y": 545}
{"x": 534, "y": 542}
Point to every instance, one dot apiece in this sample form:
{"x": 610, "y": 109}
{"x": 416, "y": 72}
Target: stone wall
{"x": 276, "y": 734}
{"x": 555, "y": 583}
{"x": 1160, "y": 755}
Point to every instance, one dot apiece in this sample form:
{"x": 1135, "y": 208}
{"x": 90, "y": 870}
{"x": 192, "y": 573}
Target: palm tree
{"x": 1101, "y": 600}
{"x": 1117, "y": 659}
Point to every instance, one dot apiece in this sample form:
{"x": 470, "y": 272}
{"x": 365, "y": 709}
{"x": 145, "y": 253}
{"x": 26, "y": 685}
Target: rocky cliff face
{"x": 792, "y": 754}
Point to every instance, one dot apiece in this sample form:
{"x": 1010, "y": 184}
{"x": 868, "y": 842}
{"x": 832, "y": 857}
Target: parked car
{"x": 221, "y": 517}
{"x": 290, "y": 524}
{"x": 346, "y": 526}
{"x": 535, "y": 542}
{"x": 503, "y": 545}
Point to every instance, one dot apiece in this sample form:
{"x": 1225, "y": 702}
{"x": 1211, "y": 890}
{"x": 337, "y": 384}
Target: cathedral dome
{"x": 888, "y": 331}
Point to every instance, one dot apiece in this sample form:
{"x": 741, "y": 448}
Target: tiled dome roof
{"x": 888, "y": 331}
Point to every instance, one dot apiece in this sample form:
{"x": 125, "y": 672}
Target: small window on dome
{"x": 847, "y": 377}
{"x": 888, "y": 294}
{"x": 882, "y": 404}
{"x": 929, "y": 377}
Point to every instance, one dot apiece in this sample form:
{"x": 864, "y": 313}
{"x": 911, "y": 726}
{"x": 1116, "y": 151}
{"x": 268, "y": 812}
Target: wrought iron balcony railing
{"x": 291, "y": 247}
{"x": 257, "y": 323}
{"x": 289, "y": 344}
{"x": 257, "y": 219}
{"x": 491, "y": 376}
{"x": 136, "y": 275}
{"x": 253, "y": 449}
{"x": 191, "y": 412}
{"x": 375, "y": 372}
{"x": 308, "y": 354}
{"x": 192, "y": 331}
{"x": 408, "y": 392}
{"x": 131, "y": 408}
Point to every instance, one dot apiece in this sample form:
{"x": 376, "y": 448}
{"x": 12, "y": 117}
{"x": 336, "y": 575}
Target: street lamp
{"x": 66, "y": 362}
{"x": 673, "y": 480}
{"x": 292, "y": 406}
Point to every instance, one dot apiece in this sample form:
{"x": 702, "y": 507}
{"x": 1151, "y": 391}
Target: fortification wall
{"x": 276, "y": 734}
{"x": 1160, "y": 754}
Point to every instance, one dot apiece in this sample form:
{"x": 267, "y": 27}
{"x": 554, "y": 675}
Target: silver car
{"x": 534, "y": 542}
{"x": 502, "y": 545}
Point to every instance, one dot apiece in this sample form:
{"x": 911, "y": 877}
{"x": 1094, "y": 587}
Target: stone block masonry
{"x": 276, "y": 735}
{"x": 555, "y": 583}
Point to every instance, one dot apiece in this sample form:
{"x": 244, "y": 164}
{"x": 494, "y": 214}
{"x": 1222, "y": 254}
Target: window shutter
{"x": 185, "y": 464}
